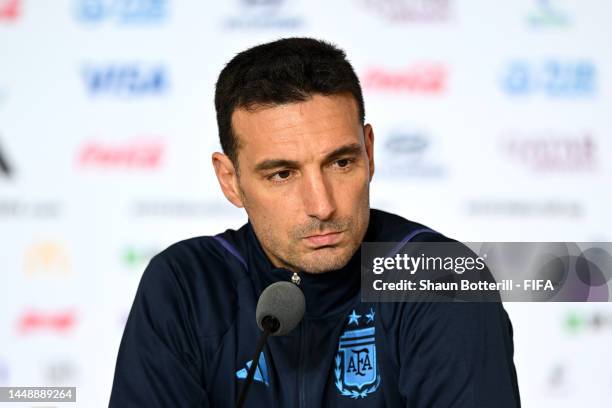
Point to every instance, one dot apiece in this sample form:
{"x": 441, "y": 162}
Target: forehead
{"x": 298, "y": 131}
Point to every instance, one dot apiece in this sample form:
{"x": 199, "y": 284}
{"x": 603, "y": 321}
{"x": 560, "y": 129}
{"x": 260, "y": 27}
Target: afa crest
{"x": 355, "y": 363}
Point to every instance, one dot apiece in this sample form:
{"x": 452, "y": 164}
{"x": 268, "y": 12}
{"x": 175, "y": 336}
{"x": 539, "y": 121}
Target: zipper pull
{"x": 295, "y": 278}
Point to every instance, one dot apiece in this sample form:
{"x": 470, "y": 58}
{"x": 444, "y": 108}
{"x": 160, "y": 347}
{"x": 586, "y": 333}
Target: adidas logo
{"x": 261, "y": 373}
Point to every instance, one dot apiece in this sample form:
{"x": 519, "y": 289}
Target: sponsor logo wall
{"x": 492, "y": 123}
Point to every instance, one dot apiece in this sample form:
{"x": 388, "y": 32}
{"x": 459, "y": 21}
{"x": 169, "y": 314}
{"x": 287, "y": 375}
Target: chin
{"x": 331, "y": 261}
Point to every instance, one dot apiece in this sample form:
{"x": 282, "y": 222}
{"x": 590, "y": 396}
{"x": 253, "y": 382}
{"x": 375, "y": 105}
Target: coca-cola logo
{"x": 130, "y": 155}
{"x": 419, "y": 78}
{"x": 33, "y": 321}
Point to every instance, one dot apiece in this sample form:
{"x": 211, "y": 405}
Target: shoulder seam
{"x": 230, "y": 248}
{"x": 410, "y": 237}
{"x": 413, "y": 234}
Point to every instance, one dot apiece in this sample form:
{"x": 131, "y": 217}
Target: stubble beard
{"x": 320, "y": 260}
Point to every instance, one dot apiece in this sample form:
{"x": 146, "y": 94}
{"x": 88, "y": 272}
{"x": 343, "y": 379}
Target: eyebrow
{"x": 350, "y": 149}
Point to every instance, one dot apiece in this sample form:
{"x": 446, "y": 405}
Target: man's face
{"x": 304, "y": 176}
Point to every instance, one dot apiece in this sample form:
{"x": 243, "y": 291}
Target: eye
{"x": 343, "y": 163}
{"x": 280, "y": 176}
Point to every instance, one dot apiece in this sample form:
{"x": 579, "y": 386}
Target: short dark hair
{"x": 279, "y": 72}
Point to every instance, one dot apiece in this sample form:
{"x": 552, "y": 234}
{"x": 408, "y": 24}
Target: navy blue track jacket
{"x": 191, "y": 334}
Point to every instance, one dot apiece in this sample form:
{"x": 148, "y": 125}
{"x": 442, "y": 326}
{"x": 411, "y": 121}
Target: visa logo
{"x": 122, "y": 11}
{"x": 129, "y": 80}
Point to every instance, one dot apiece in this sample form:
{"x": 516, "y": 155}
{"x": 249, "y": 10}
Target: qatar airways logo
{"x": 408, "y": 11}
{"x": 35, "y": 321}
{"x": 552, "y": 151}
{"x": 422, "y": 78}
{"x": 10, "y": 10}
{"x": 264, "y": 15}
{"x": 147, "y": 155}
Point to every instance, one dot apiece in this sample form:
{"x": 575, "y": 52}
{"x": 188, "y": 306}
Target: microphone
{"x": 281, "y": 305}
{"x": 279, "y": 309}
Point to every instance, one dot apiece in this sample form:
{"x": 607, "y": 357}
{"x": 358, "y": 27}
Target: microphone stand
{"x": 270, "y": 325}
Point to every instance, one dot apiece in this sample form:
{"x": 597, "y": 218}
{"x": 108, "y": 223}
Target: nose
{"x": 317, "y": 197}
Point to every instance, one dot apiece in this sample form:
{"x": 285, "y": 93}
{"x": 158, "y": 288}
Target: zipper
{"x": 301, "y": 368}
{"x": 295, "y": 278}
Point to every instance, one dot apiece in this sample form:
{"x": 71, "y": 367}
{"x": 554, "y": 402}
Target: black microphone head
{"x": 283, "y": 301}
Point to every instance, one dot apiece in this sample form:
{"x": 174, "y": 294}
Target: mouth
{"x": 324, "y": 239}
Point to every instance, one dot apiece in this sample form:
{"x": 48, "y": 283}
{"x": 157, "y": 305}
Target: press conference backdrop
{"x": 492, "y": 122}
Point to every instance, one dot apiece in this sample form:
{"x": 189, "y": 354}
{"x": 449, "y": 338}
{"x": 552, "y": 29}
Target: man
{"x": 299, "y": 159}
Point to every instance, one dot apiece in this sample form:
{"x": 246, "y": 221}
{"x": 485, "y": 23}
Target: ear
{"x": 228, "y": 178}
{"x": 368, "y": 136}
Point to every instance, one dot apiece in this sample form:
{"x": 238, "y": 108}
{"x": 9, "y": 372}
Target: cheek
{"x": 256, "y": 198}
{"x": 274, "y": 213}
{"x": 352, "y": 190}
{"x": 279, "y": 207}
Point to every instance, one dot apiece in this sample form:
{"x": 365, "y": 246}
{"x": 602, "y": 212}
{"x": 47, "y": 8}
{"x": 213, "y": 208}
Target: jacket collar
{"x": 327, "y": 294}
